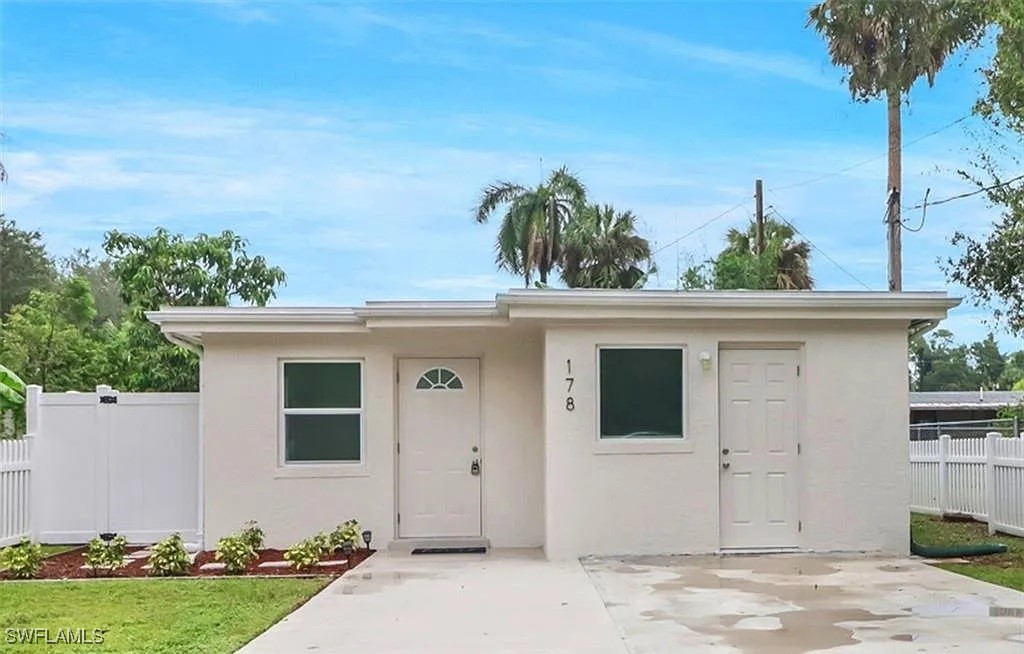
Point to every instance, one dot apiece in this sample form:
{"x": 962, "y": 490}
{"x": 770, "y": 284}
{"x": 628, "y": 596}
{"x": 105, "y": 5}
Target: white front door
{"x": 438, "y": 443}
{"x": 759, "y": 443}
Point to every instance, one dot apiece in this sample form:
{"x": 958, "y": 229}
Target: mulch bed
{"x": 68, "y": 565}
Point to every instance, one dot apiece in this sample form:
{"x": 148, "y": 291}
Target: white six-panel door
{"x": 438, "y": 441}
{"x": 759, "y": 440}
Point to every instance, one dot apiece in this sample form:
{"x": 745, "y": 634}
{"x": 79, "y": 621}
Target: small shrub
{"x": 305, "y": 554}
{"x": 169, "y": 557}
{"x": 323, "y": 541}
{"x": 235, "y": 553}
{"x": 23, "y": 560}
{"x": 253, "y": 534}
{"x": 106, "y": 555}
{"x": 346, "y": 536}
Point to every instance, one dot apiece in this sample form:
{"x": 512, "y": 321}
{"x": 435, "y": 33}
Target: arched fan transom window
{"x": 439, "y": 379}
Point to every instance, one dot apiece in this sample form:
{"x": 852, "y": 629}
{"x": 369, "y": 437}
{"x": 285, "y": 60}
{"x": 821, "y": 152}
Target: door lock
{"x": 725, "y": 465}
{"x": 474, "y": 468}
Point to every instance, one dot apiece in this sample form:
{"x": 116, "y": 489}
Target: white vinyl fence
{"x": 102, "y": 462}
{"x": 15, "y": 490}
{"x": 980, "y": 477}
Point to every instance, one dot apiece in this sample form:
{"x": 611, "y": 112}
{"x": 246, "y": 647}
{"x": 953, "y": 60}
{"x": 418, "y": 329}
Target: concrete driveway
{"x": 503, "y": 602}
{"x": 797, "y": 604}
{"x": 514, "y": 601}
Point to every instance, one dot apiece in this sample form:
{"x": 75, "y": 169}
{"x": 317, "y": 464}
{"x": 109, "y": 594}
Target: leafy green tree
{"x": 941, "y": 364}
{"x": 531, "y": 232}
{"x": 885, "y": 46}
{"x": 1005, "y": 74}
{"x": 50, "y": 339}
{"x": 165, "y": 269}
{"x": 1013, "y": 371}
{"x": 790, "y": 257}
{"x": 992, "y": 266}
{"x": 603, "y": 250}
{"x": 106, "y": 290}
{"x": 24, "y": 264}
{"x": 784, "y": 264}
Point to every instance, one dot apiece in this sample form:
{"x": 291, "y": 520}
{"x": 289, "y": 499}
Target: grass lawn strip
{"x": 1003, "y": 569}
{"x": 158, "y": 616}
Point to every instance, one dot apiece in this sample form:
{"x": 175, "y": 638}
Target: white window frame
{"x": 320, "y": 468}
{"x": 663, "y": 445}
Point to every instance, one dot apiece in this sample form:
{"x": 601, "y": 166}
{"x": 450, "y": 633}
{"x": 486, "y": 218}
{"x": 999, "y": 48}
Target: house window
{"x": 439, "y": 379}
{"x": 322, "y": 412}
{"x": 641, "y": 392}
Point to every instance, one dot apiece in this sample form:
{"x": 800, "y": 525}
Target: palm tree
{"x": 789, "y": 258}
{"x": 885, "y": 46}
{"x": 530, "y": 236}
{"x": 603, "y": 250}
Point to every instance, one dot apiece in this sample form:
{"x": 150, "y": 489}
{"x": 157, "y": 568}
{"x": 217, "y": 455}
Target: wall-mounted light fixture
{"x": 705, "y": 360}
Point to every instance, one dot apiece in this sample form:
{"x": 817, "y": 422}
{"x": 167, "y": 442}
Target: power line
{"x": 822, "y": 252}
{"x": 841, "y": 171}
{"x": 699, "y": 227}
{"x": 964, "y": 195}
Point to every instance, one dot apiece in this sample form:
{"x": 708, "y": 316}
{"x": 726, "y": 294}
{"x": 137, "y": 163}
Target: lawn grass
{"x": 54, "y": 550}
{"x": 152, "y": 616}
{"x": 1003, "y": 569}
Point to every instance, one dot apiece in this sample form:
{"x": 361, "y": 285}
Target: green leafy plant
{"x": 306, "y": 553}
{"x": 169, "y": 557}
{"x": 235, "y": 552}
{"x": 253, "y": 534}
{"x": 346, "y": 536}
{"x": 106, "y": 555}
{"x": 22, "y": 561}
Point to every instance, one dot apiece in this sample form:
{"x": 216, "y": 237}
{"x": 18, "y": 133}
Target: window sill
{"x": 643, "y": 446}
{"x": 317, "y": 471}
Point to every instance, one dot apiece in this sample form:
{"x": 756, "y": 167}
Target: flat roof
{"x": 188, "y": 323}
{"x": 980, "y": 399}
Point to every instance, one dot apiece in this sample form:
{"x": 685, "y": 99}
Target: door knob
{"x": 725, "y": 465}
{"x": 725, "y": 450}
{"x": 474, "y": 468}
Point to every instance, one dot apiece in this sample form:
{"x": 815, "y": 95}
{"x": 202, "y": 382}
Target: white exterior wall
{"x": 240, "y": 430}
{"x": 854, "y": 471}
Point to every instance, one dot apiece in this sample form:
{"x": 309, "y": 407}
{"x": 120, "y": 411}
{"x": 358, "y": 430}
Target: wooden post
{"x": 759, "y": 213}
{"x": 944, "y": 440}
{"x": 990, "y": 480}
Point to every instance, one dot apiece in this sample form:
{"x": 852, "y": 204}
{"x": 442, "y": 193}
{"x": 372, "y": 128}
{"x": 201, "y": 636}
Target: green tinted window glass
{"x": 321, "y": 385}
{"x": 641, "y": 393}
{"x": 322, "y": 437}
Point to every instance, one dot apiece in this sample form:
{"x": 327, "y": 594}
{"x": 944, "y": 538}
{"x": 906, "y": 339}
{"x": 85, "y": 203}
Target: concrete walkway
{"x": 503, "y": 602}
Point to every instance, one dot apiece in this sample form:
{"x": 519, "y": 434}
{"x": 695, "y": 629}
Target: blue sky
{"x": 348, "y": 142}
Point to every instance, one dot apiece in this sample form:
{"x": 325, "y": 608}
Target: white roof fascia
{"x": 600, "y": 304}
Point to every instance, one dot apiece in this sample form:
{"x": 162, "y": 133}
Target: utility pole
{"x": 894, "y": 237}
{"x": 759, "y": 213}
{"x": 894, "y": 228}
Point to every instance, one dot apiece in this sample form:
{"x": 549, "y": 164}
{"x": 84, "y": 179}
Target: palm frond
{"x": 493, "y": 196}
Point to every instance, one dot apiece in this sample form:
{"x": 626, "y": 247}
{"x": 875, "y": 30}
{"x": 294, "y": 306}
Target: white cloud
{"x": 741, "y": 61}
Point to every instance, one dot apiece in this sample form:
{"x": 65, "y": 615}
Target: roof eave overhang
{"x": 587, "y": 305}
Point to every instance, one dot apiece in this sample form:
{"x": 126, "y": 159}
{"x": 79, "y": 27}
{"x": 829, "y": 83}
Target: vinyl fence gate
{"x": 102, "y": 462}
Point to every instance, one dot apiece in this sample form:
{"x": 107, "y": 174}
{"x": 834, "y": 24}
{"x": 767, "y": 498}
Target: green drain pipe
{"x": 956, "y": 551}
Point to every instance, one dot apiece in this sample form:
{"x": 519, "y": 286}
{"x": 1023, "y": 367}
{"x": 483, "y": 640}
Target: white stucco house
{"x": 579, "y": 421}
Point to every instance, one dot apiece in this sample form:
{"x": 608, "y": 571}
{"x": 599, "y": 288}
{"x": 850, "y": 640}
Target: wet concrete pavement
{"x": 515, "y": 601}
{"x": 800, "y": 604}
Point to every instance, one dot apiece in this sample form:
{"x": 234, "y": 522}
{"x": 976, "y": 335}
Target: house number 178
{"x": 570, "y": 403}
